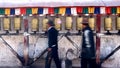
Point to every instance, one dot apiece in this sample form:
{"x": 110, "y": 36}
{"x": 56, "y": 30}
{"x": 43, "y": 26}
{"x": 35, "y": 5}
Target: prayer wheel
{"x": 57, "y": 22}
{"x": 17, "y": 23}
{"x": 35, "y": 24}
{"x": 6, "y": 24}
{"x": 118, "y": 23}
{"x": 91, "y": 21}
{"x": 79, "y": 23}
{"x": 68, "y": 23}
{"x": 44, "y": 24}
{"x": 108, "y": 23}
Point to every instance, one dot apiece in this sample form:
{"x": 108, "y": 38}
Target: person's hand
{"x": 49, "y": 49}
{"x": 100, "y": 35}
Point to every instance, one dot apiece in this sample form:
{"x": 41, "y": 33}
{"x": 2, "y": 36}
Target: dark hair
{"x": 51, "y": 23}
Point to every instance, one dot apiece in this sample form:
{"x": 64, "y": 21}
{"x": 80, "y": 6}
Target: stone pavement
{"x": 41, "y": 63}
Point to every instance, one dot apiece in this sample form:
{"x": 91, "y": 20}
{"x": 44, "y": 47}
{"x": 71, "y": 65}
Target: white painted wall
{"x": 8, "y": 59}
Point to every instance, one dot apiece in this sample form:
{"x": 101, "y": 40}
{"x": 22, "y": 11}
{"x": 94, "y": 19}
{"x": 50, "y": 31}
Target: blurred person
{"x": 88, "y": 58}
{"x": 52, "y": 46}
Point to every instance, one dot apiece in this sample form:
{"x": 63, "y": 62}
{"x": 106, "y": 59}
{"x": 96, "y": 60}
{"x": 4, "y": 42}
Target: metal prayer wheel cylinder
{"x": 108, "y": 23}
{"x": 91, "y": 21}
{"x": 57, "y": 22}
{"x": 68, "y": 24}
{"x": 79, "y": 23}
{"x": 118, "y": 23}
{"x": 17, "y": 23}
{"x": 44, "y": 24}
{"x": 6, "y": 24}
{"x": 34, "y": 24}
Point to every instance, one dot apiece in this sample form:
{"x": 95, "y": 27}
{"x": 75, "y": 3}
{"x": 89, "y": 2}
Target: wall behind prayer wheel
{"x": 8, "y": 59}
{"x": 108, "y": 44}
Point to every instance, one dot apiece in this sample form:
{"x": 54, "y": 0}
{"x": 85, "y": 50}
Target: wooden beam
{"x": 26, "y": 42}
{"x": 98, "y": 30}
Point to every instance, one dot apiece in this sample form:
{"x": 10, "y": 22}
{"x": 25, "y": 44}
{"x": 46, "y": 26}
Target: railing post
{"x": 98, "y": 30}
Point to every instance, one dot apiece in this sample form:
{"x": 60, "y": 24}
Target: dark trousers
{"x": 88, "y": 63}
{"x": 53, "y": 54}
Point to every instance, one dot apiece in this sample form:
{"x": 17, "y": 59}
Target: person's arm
{"x": 87, "y": 38}
{"x": 50, "y": 39}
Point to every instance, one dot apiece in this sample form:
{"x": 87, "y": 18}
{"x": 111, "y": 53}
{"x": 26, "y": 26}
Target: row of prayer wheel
{"x": 17, "y": 23}
{"x": 58, "y": 23}
{"x": 108, "y": 23}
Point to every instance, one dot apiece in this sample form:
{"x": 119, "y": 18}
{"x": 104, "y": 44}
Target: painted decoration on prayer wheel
{"x": 68, "y": 24}
{"x": 6, "y": 23}
{"x": 108, "y": 23}
{"x": 34, "y": 24}
{"x": 118, "y": 23}
{"x": 44, "y": 24}
{"x": 91, "y": 21}
{"x": 79, "y": 23}
{"x": 17, "y": 23}
{"x": 57, "y": 22}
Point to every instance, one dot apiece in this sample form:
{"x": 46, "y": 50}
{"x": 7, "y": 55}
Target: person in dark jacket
{"x": 88, "y": 46}
{"x": 52, "y": 46}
